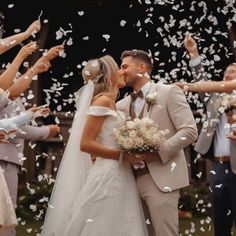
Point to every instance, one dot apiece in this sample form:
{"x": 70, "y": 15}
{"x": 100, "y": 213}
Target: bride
{"x": 95, "y": 199}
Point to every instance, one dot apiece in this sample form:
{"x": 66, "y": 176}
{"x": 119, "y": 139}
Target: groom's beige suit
{"x": 160, "y": 187}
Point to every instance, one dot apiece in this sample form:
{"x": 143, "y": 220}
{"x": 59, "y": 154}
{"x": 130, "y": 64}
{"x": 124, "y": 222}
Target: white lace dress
{"x": 108, "y": 204}
{"x": 7, "y": 213}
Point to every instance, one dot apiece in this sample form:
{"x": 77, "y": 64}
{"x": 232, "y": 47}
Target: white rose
{"x": 130, "y": 124}
{"x": 138, "y": 142}
{"x": 129, "y": 143}
{"x": 132, "y": 134}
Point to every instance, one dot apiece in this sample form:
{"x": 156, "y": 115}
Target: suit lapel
{"x": 147, "y": 112}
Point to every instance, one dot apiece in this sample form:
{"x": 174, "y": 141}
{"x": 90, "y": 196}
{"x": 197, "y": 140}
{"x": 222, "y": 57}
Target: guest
{"x": 10, "y": 159}
{"x": 213, "y": 141}
{"x": 8, "y": 218}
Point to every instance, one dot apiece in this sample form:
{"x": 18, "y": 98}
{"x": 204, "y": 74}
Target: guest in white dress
{"x": 99, "y": 199}
{"x": 7, "y": 212}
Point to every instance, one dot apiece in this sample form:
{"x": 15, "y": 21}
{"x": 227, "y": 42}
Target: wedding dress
{"x": 7, "y": 213}
{"x": 93, "y": 200}
{"x": 108, "y": 204}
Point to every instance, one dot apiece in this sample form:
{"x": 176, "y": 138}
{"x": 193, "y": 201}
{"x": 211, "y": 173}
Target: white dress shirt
{"x": 139, "y": 102}
{"x": 221, "y": 143}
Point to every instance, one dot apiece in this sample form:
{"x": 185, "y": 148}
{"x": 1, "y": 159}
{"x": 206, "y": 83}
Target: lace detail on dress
{"x": 7, "y": 213}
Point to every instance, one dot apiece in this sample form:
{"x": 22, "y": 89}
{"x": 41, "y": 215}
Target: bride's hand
{"x": 93, "y": 158}
{"x": 232, "y": 135}
{"x": 134, "y": 158}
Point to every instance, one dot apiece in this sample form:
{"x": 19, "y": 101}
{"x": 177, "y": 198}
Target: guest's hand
{"x": 54, "y": 130}
{"x": 33, "y": 28}
{"x": 191, "y": 45}
{"x": 40, "y": 66}
{"x": 53, "y": 52}
{"x": 4, "y": 135}
{"x": 232, "y": 135}
{"x": 40, "y": 111}
{"x": 43, "y": 63}
{"x": 27, "y": 50}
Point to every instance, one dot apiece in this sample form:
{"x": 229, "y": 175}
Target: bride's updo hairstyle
{"x": 101, "y": 71}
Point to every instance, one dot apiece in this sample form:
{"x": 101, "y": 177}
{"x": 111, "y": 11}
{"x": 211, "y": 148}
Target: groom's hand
{"x": 134, "y": 158}
{"x": 151, "y": 156}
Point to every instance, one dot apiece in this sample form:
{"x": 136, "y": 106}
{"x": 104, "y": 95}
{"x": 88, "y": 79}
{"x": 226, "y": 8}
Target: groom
{"x": 165, "y": 172}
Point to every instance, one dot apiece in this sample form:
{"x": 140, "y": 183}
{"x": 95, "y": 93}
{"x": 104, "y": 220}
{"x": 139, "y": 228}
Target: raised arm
{"x": 23, "y": 118}
{"x": 7, "y": 77}
{"x": 12, "y": 41}
{"x": 191, "y": 46}
{"x": 209, "y": 86}
{"x": 40, "y": 66}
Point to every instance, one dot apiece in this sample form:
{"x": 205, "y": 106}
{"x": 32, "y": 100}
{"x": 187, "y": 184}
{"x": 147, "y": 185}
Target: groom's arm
{"x": 183, "y": 120}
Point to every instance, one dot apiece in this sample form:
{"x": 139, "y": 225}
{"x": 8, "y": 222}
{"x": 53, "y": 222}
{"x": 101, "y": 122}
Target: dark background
{"x": 157, "y": 26}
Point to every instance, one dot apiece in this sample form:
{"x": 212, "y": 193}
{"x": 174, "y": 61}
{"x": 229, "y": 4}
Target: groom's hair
{"x": 139, "y": 55}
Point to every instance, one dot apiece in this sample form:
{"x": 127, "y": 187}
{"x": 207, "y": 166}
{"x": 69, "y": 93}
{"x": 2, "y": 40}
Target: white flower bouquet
{"x": 140, "y": 135}
{"x": 228, "y": 105}
{"x": 228, "y": 102}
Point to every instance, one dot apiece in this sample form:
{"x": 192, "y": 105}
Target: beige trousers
{"x": 162, "y": 207}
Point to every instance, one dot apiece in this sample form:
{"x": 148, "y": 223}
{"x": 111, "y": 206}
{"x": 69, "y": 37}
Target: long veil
{"x": 73, "y": 170}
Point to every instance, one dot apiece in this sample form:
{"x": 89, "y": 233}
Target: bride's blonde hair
{"x": 100, "y": 71}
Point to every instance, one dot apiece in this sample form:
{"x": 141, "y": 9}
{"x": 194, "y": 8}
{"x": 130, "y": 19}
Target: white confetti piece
{"x": 80, "y": 13}
{"x": 173, "y": 166}
{"x": 167, "y": 189}
{"x": 123, "y": 23}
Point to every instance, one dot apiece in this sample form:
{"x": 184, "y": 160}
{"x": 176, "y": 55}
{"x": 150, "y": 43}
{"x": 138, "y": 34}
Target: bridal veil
{"x": 73, "y": 170}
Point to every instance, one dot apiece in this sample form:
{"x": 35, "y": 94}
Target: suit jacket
{"x": 171, "y": 111}
{"x": 16, "y": 122}
{"x": 12, "y": 152}
{"x": 204, "y": 145}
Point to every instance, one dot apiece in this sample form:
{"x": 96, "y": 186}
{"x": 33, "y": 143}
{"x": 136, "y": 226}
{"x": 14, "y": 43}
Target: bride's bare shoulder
{"x": 102, "y": 100}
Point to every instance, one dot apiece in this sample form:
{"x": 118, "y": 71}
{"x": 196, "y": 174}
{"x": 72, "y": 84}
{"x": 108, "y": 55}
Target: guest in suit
{"x": 165, "y": 172}
{"x": 9, "y": 125}
{"x": 213, "y": 141}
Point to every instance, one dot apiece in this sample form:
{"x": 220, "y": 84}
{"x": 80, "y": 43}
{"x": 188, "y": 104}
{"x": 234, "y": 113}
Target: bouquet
{"x": 228, "y": 105}
{"x": 228, "y": 102}
{"x": 140, "y": 135}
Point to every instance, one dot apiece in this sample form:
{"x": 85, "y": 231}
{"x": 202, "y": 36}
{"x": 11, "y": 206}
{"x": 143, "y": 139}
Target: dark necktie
{"x": 135, "y": 95}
